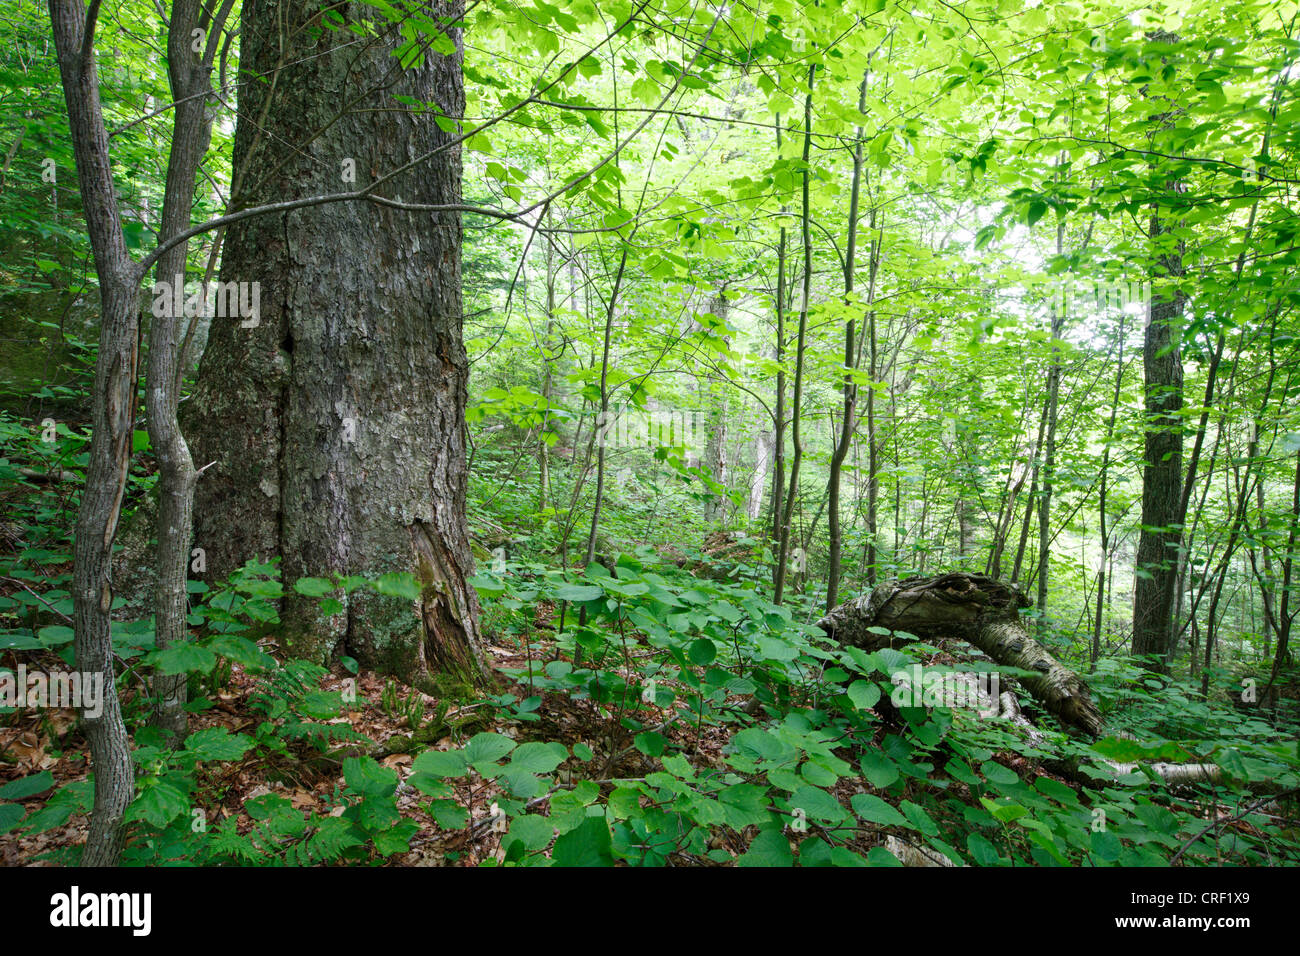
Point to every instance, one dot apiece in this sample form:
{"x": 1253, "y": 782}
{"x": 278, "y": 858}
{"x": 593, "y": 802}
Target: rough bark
{"x": 189, "y": 74}
{"x": 976, "y": 609}
{"x": 1156, "y": 569}
{"x": 335, "y": 422}
{"x": 111, "y": 419}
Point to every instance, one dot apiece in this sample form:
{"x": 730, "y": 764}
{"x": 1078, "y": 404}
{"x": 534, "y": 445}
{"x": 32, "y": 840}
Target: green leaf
{"x": 702, "y": 651}
{"x": 871, "y": 808}
{"x": 431, "y": 786}
{"x": 878, "y": 768}
{"x": 242, "y": 651}
{"x": 769, "y": 848}
{"x": 817, "y": 804}
{"x": 16, "y": 641}
{"x": 1105, "y": 846}
{"x": 487, "y": 747}
{"x": 879, "y": 856}
{"x": 774, "y": 649}
{"x": 520, "y": 782}
{"x": 918, "y": 819}
{"x": 159, "y": 805}
{"x": 449, "y": 815}
{"x": 367, "y": 776}
{"x": 313, "y": 587}
{"x": 1004, "y": 812}
{"x": 1125, "y": 750}
{"x": 401, "y": 584}
{"x": 578, "y": 592}
{"x": 650, "y": 743}
{"x": 321, "y": 704}
{"x": 25, "y": 787}
{"x": 587, "y": 844}
{"x": 864, "y": 694}
{"x": 395, "y": 839}
{"x": 217, "y": 743}
{"x": 994, "y": 772}
{"x": 55, "y": 635}
{"x": 538, "y": 757}
{"x": 892, "y": 660}
{"x": 46, "y": 818}
{"x": 1228, "y": 759}
{"x": 533, "y": 831}
{"x": 761, "y": 743}
{"x": 441, "y": 763}
{"x": 183, "y": 657}
{"x": 11, "y": 814}
{"x": 982, "y": 851}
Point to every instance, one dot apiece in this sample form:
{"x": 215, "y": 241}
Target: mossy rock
{"x": 399, "y": 744}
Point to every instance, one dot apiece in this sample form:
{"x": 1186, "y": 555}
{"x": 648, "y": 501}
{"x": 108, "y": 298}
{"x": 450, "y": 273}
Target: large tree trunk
{"x": 974, "y": 608}
{"x": 335, "y": 421}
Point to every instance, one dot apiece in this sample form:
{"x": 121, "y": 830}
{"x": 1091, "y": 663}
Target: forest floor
{"x": 48, "y": 740}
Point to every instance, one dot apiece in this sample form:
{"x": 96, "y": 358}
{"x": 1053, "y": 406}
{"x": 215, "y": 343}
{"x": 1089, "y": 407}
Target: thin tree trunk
{"x": 603, "y": 420}
{"x": 1029, "y": 504}
{"x": 778, "y": 443}
{"x": 1101, "y": 496}
{"x": 873, "y": 437}
{"x": 190, "y": 73}
{"x": 1057, "y": 328}
{"x": 796, "y": 441}
{"x": 1282, "y": 657}
{"x": 840, "y": 444}
{"x": 111, "y": 421}
{"x": 758, "y": 481}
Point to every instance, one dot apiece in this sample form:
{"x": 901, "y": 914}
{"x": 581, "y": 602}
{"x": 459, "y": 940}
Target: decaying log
{"x": 911, "y": 855}
{"x": 974, "y": 608}
{"x": 61, "y": 475}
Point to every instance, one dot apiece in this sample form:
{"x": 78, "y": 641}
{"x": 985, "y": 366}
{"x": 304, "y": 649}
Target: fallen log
{"x": 977, "y": 609}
